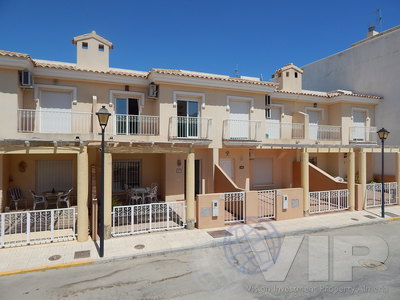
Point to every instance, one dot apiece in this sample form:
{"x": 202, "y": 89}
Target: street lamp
{"x": 383, "y": 134}
{"x": 103, "y": 114}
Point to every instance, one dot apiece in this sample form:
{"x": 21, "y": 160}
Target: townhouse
{"x": 219, "y": 149}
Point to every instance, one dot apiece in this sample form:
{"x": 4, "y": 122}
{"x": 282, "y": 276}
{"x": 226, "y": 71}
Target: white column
{"x": 107, "y": 194}
{"x": 82, "y": 195}
{"x": 351, "y": 174}
{"x": 305, "y": 178}
{"x": 190, "y": 205}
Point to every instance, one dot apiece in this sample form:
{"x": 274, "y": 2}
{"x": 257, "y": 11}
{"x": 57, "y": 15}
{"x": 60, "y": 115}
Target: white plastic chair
{"x": 38, "y": 199}
{"x": 16, "y": 196}
{"x": 64, "y": 198}
{"x": 152, "y": 195}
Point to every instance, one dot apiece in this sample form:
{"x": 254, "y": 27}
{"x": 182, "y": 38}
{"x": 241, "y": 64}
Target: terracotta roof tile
{"x": 210, "y": 76}
{"x": 73, "y": 67}
{"x": 329, "y": 94}
{"x": 14, "y": 54}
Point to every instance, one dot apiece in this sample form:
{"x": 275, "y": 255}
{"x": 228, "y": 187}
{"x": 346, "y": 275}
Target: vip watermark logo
{"x": 261, "y": 249}
{"x": 252, "y": 249}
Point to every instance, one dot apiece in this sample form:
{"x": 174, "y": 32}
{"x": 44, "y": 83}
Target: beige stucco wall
{"x": 291, "y": 212}
{"x": 10, "y": 95}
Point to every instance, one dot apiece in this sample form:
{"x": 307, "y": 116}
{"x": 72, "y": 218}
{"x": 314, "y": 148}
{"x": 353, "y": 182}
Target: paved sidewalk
{"x": 36, "y": 257}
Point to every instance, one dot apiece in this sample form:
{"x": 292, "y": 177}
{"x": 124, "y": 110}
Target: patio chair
{"x": 152, "y": 195}
{"x": 38, "y": 199}
{"x": 16, "y": 196}
{"x": 135, "y": 198}
{"x": 64, "y": 198}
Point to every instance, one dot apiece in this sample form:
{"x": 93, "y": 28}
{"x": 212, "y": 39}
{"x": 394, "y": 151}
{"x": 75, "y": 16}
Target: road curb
{"x": 50, "y": 267}
{"x": 230, "y": 241}
{"x": 209, "y": 244}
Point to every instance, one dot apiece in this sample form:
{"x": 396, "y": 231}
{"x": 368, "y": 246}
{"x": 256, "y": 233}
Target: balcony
{"x": 54, "y": 121}
{"x": 279, "y": 130}
{"x": 361, "y": 134}
{"x": 135, "y": 124}
{"x": 241, "y": 130}
{"x": 189, "y": 128}
{"x": 325, "y": 132}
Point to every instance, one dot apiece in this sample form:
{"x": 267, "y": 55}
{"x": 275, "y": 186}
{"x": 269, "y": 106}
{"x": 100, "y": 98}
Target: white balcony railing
{"x": 189, "y": 128}
{"x": 136, "y": 125}
{"x": 361, "y": 134}
{"x": 279, "y": 130}
{"x": 241, "y": 130}
{"x": 57, "y": 121}
{"x": 292, "y": 131}
{"x": 329, "y": 133}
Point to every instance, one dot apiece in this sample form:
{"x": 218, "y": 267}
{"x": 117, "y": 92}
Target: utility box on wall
{"x": 215, "y": 208}
{"x": 289, "y": 204}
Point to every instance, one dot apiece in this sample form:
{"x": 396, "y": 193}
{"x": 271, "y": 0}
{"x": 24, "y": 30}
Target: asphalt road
{"x": 229, "y": 272}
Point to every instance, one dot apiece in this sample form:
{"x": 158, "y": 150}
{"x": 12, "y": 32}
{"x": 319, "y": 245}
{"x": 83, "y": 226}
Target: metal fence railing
{"x": 37, "y": 227}
{"x": 244, "y": 130}
{"x": 327, "y": 201}
{"x": 292, "y": 131}
{"x": 373, "y": 194}
{"x": 235, "y": 207}
{"x": 189, "y": 128}
{"x": 48, "y": 121}
{"x": 329, "y": 133}
{"x": 136, "y": 124}
{"x": 133, "y": 219}
{"x": 266, "y": 204}
{"x": 361, "y": 134}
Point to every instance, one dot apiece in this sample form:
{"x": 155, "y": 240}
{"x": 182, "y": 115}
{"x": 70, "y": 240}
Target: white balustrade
{"x": 241, "y": 130}
{"x": 189, "y": 128}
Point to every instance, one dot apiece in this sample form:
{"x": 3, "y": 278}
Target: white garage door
{"x": 239, "y": 116}
{"x": 53, "y": 174}
{"x": 55, "y": 112}
{"x": 262, "y": 171}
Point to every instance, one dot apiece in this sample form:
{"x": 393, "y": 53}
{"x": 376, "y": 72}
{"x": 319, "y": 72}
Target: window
{"x": 295, "y": 74}
{"x": 53, "y": 174}
{"x": 267, "y": 100}
{"x": 268, "y": 113}
{"x": 126, "y": 172}
{"x": 126, "y": 118}
{"x": 101, "y": 47}
{"x": 287, "y": 74}
{"x": 85, "y": 45}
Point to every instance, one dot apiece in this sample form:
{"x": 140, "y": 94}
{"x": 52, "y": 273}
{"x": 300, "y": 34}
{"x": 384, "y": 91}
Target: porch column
{"x": 362, "y": 176}
{"x": 398, "y": 176}
{"x": 107, "y": 194}
{"x": 82, "y": 195}
{"x": 351, "y": 174}
{"x": 305, "y": 178}
{"x": 215, "y": 153}
{"x": 190, "y": 210}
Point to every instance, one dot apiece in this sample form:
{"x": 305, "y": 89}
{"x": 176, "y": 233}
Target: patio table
{"x": 53, "y": 196}
{"x": 141, "y": 190}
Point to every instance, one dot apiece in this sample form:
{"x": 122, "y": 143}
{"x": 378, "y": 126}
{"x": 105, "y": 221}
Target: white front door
{"x": 239, "y": 120}
{"x": 55, "y": 112}
{"x": 274, "y": 124}
{"x": 314, "y": 118}
{"x": 359, "y": 125}
{"x": 226, "y": 164}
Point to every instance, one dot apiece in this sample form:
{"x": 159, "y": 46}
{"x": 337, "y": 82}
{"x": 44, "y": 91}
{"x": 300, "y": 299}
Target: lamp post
{"x": 383, "y": 134}
{"x": 103, "y": 114}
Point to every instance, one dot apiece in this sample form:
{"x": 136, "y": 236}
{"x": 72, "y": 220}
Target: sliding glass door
{"x": 188, "y": 121}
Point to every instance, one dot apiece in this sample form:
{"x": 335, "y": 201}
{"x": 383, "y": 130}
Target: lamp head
{"x": 103, "y": 115}
{"x": 383, "y": 134}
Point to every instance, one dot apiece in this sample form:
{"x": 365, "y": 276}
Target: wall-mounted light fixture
{"x": 179, "y": 162}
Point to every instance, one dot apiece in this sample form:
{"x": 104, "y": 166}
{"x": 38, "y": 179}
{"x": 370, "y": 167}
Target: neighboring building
{"x": 370, "y": 66}
{"x": 191, "y": 133}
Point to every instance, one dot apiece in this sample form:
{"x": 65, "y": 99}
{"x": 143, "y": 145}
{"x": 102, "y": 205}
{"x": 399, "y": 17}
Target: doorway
{"x": 197, "y": 177}
{"x": 188, "y": 122}
{"x": 127, "y": 116}
{"x": 239, "y": 120}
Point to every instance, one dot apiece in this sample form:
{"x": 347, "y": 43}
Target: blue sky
{"x": 208, "y": 35}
